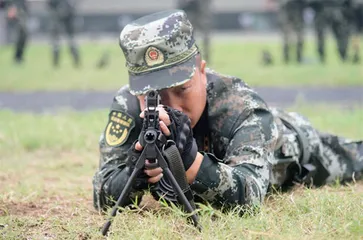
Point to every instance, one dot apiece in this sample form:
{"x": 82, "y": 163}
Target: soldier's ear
{"x": 202, "y": 66}
{"x": 202, "y": 72}
{"x": 141, "y": 99}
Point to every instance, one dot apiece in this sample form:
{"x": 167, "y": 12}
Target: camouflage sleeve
{"x": 242, "y": 177}
{"x": 121, "y": 131}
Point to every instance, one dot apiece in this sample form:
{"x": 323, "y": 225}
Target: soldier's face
{"x": 190, "y": 98}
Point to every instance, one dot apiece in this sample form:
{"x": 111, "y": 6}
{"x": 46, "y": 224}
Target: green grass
{"x": 80, "y": 130}
{"x": 241, "y": 59}
{"x": 47, "y": 163}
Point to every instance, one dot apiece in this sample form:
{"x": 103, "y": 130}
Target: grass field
{"x": 47, "y": 163}
{"x": 241, "y": 59}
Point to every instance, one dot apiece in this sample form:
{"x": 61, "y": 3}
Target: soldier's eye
{"x": 184, "y": 88}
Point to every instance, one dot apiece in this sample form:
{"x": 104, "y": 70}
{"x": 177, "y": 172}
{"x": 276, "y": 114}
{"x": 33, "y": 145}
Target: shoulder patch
{"x": 118, "y": 128}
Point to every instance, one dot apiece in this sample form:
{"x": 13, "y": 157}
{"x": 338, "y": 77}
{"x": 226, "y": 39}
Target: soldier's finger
{"x": 142, "y": 114}
{"x": 159, "y": 107}
{"x": 153, "y": 172}
{"x": 138, "y": 146}
{"x": 164, "y": 129}
{"x": 155, "y": 179}
{"x": 164, "y": 116}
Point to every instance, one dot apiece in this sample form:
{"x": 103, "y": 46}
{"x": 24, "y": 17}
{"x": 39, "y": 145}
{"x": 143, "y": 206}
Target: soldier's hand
{"x": 156, "y": 174}
{"x": 164, "y": 120}
{"x": 180, "y": 131}
{"x": 150, "y": 175}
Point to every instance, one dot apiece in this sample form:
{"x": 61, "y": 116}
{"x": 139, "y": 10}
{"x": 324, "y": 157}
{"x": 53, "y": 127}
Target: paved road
{"x": 41, "y": 102}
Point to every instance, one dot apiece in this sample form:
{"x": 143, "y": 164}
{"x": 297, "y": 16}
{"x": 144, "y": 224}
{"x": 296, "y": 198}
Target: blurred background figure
{"x": 266, "y": 58}
{"x": 291, "y": 18}
{"x": 332, "y": 14}
{"x": 357, "y": 25}
{"x": 3, "y": 23}
{"x": 104, "y": 60}
{"x": 62, "y": 18}
{"x": 200, "y": 15}
{"x": 17, "y": 14}
{"x": 292, "y": 21}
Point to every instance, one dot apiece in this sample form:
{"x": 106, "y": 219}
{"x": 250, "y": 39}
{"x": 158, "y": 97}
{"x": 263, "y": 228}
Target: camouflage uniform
{"x": 20, "y": 27}
{"x": 200, "y": 15}
{"x": 247, "y": 146}
{"x": 62, "y": 15}
{"x": 292, "y": 24}
{"x": 333, "y": 13}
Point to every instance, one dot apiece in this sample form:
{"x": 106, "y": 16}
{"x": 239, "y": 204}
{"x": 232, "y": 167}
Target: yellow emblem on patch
{"x": 118, "y": 128}
{"x": 153, "y": 56}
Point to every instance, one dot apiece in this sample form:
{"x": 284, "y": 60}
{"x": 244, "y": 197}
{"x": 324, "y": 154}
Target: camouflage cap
{"x": 160, "y": 51}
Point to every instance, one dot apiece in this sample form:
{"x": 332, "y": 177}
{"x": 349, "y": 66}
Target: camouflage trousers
{"x": 335, "y": 158}
{"x": 57, "y": 25}
{"x": 21, "y": 34}
{"x": 336, "y": 18}
{"x": 292, "y": 25}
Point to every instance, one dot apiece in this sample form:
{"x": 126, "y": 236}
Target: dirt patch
{"x": 7, "y": 178}
{"x": 50, "y": 218}
{"x": 14, "y": 208}
{"x": 148, "y": 203}
{"x": 44, "y": 207}
{"x": 359, "y": 187}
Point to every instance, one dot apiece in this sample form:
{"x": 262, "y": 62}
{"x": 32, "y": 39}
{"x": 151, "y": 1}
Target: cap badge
{"x": 153, "y": 56}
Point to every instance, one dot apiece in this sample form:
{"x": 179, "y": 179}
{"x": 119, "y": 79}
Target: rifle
{"x": 154, "y": 144}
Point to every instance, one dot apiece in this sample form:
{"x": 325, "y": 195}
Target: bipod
{"x": 153, "y": 154}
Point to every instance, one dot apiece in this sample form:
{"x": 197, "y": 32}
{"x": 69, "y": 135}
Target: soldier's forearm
{"x": 192, "y": 172}
{"x": 109, "y": 185}
{"x": 225, "y": 185}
